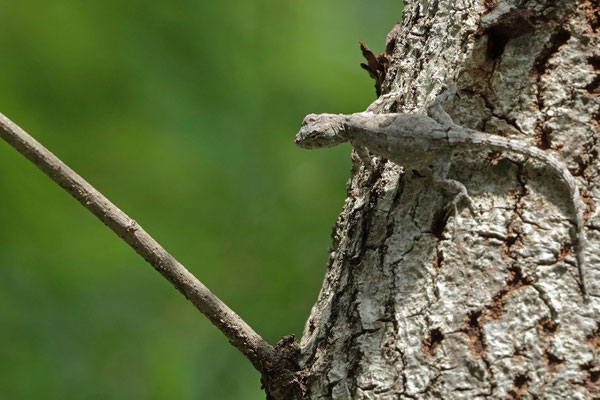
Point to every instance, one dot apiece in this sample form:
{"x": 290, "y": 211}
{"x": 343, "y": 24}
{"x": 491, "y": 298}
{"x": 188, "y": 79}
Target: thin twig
{"x": 260, "y": 353}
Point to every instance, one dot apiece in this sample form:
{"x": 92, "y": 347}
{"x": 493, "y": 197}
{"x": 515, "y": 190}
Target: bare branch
{"x": 260, "y": 353}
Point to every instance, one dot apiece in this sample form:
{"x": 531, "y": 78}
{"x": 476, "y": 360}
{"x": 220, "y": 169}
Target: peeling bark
{"x": 418, "y": 304}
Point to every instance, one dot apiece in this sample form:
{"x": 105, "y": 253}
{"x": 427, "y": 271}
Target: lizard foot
{"x": 461, "y": 194}
{"x": 365, "y": 157}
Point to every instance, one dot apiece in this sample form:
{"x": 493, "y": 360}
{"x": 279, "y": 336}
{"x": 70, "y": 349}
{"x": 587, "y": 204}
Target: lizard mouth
{"x": 313, "y": 139}
{"x": 304, "y": 140}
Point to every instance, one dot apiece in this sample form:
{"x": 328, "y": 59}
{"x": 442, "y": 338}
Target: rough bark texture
{"x": 420, "y": 304}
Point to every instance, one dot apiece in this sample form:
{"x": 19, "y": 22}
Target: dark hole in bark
{"x": 439, "y": 260}
{"x": 557, "y": 41}
{"x": 475, "y": 333}
{"x": 496, "y": 43}
{"x": 520, "y": 381}
{"x": 593, "y": 376}
{"x": 433, "y": 340}
{"x": 438, "y": 224}
{"x": 474, "y": 318}
{"x": 520, "y": 386}
{"x": 593, "y": 15}
{"x": 517, "y": 277}
{"x": 594, "y": 86}
{"x": 546, "y": 139}
{"x": 548, "y": 326}
{"x": 552, "y": 361}
{"x": 511, "y": 239}
{"x": 510, "y": 25}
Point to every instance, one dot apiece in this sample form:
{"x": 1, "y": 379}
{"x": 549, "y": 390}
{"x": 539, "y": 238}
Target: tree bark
{"x": 421, "y": 304}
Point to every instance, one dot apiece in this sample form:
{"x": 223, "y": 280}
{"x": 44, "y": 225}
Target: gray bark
{"x": 420, "y": 304}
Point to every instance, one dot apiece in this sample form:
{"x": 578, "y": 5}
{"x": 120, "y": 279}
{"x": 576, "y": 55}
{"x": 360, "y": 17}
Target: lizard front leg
{"x": 364, "y": 156}
{"x": 441, "y": 167}
{"x": 435, "y": 109}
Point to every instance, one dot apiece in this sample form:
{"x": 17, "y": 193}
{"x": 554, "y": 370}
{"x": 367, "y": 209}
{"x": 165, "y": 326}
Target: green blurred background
{"x": 183, "y": 114}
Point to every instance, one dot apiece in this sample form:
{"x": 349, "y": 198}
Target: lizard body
{"x": 417, "y": 142}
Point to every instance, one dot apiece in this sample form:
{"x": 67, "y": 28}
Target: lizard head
{"x": 322, "y": 130}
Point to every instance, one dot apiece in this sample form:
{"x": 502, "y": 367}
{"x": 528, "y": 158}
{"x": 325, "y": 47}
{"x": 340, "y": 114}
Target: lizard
{"x": 419, "y": 141}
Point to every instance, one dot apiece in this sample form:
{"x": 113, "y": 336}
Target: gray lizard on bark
{"x": 417, "y": 142}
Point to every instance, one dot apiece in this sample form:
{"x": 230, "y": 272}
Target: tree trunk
{"x": 420, "y": 303}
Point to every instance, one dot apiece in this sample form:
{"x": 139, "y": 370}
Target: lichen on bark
{"x": 421, "y": 304}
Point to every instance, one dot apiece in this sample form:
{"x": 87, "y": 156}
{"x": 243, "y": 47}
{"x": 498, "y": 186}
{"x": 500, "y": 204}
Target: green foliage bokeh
{"x": 183, "y": 114}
